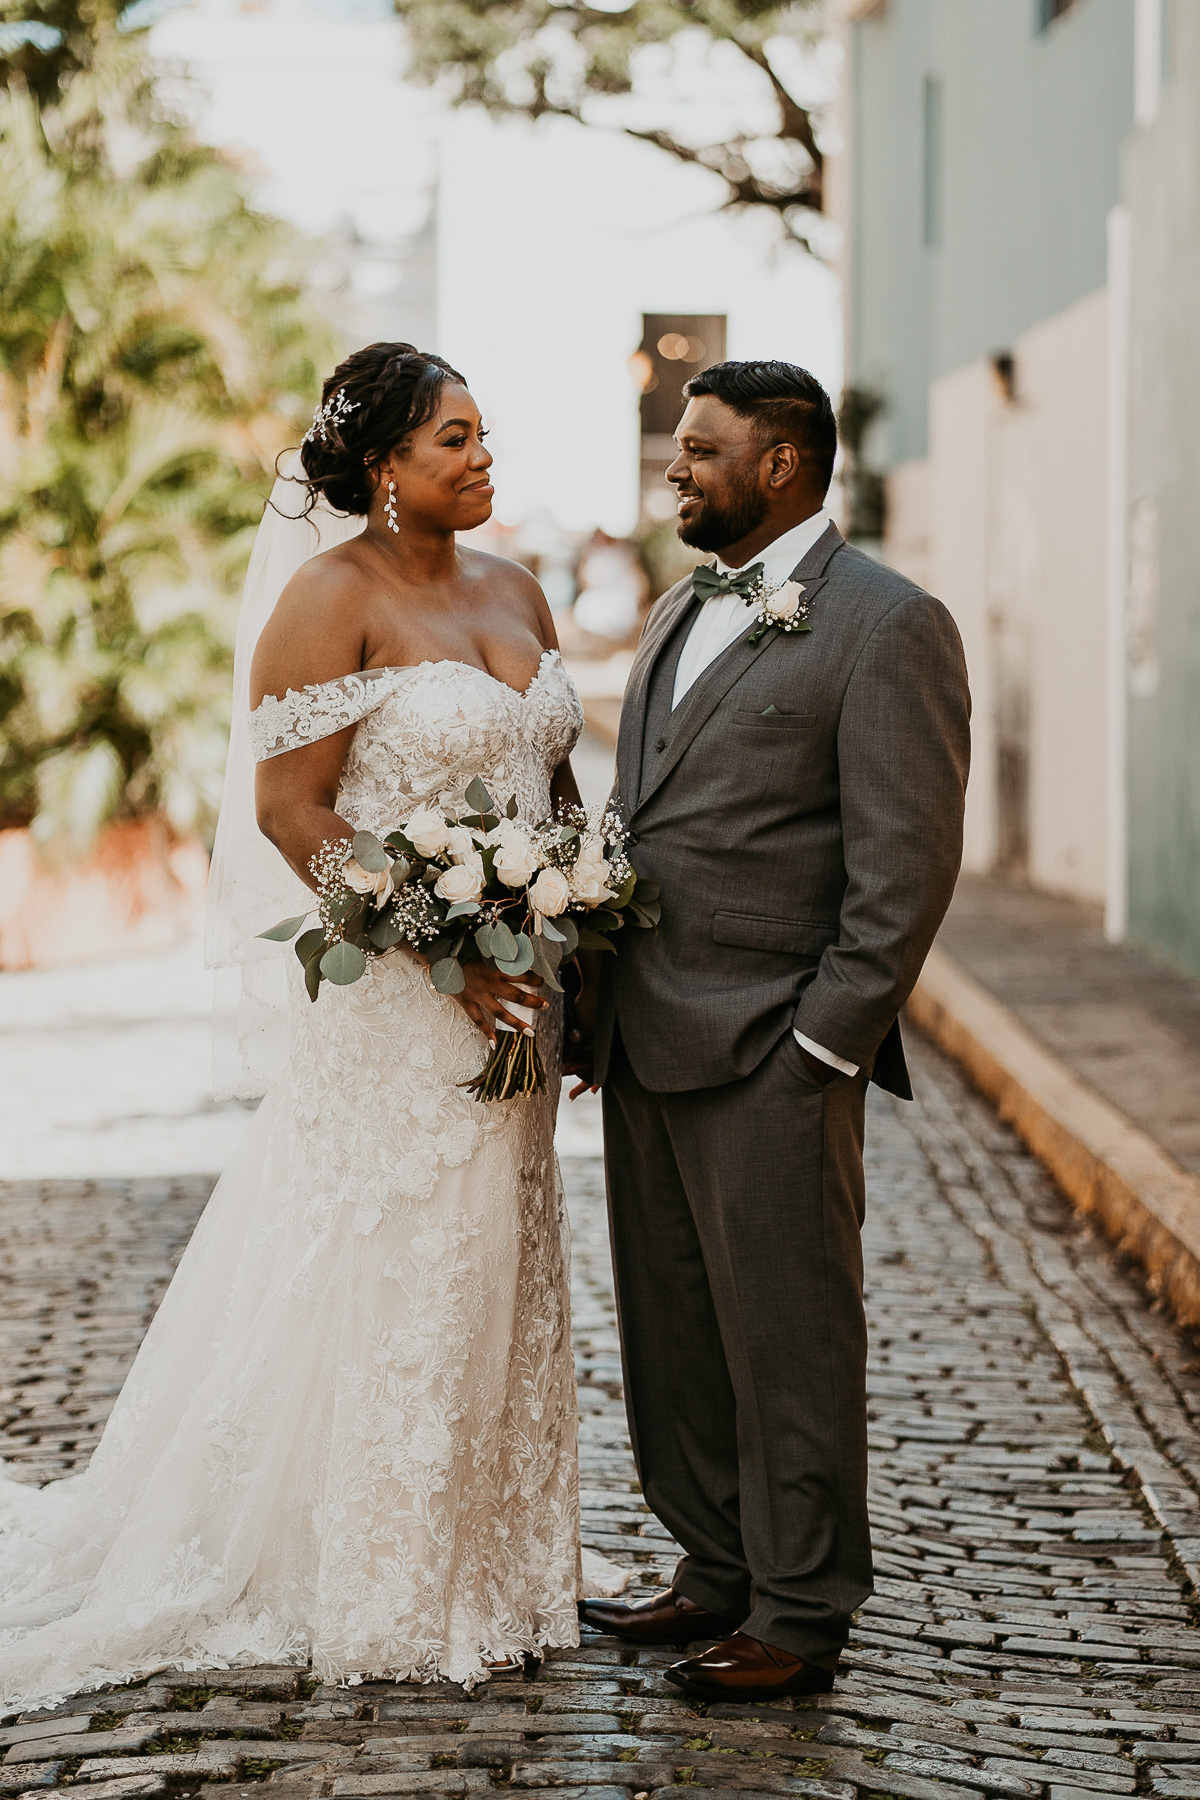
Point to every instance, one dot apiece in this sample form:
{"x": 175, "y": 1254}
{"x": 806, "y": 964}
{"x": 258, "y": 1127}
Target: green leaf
{"x": 478, "y": 797}
{"x": 306, "y": 947}
{"x": 521, "y": 961}
{"x": 398, "y": 841}
{"x": 511, "y": 810}
{"x": 343, "y": 963}
{"x": 550, "y": 930}
{"x": 483, "y": 940}
{"x": 286, "y": 929}
{"x": 646, "y": 890}
{"x": 602, "y": 919}
{"x": 447, "y": 976}
{"x": 569, "y": 931}
{"x": 369, "y": 853}
{"x": 504, "y": 944}
{"x": 312, "y": 976}
{"x": 595, "y": 940}
{"x": 648, "y": 915}
{"x": 385, "y": 934}
{"x": 544, "y": 968}
{"x": 462, "y": 909}
{"x": 567, "y": 835}
{"x": 624, "y": 893}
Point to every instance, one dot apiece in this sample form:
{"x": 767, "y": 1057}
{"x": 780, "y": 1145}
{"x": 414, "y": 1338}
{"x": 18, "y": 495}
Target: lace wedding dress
{"x": 349, "y": 1434}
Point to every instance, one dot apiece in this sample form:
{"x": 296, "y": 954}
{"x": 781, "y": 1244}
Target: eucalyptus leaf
{"x": 626, "y": 890}
{"x": 645, "y": 890}
{"x": 511, "y": 810}
{"x": 521, "y": 961}
{"x": 595, "y": 940}
{"x": 447, "y": 976}
{"x": 385, "y": 934}
{"x": 504, "y": 944}
{"x": 602, "y": 919}
{"x": 308, "y": 943}
{"x": 543, "y": 968}
{"x": 369, "y": 853}
{"x": 284, "y": 931}
{"x": 483, "y": 940}
{"x": 478, "y": 797}
{"x": 312, "y": 976}
{"x": 569, "y": 932}
{"x": 343, "y": 963}
{"x": 462, "y": 909}
{"x": 550, "y": 930}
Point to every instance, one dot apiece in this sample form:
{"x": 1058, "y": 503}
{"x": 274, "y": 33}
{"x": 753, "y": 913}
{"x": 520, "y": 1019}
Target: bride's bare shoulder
{"x": 510, "y": 584}
{"x": 317, "y": 630}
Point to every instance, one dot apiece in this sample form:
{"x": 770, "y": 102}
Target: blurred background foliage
{"x": 158, "y": 344}
{"x": 562, "y": 59}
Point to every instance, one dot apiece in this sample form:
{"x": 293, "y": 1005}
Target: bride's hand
{"x": 484, "y": 997}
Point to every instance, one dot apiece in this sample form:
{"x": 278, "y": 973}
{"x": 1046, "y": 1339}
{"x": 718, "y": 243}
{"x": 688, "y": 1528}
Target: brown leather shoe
{"x": 743, "y": 1669}
{"x": 666, "y": 1618}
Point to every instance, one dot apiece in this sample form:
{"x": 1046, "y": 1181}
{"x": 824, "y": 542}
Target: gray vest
{"x": 656, "y": 734}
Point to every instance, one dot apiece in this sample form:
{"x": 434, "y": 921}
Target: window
{"x": 932, "y": 155}
{"x": 1049, "y": 10}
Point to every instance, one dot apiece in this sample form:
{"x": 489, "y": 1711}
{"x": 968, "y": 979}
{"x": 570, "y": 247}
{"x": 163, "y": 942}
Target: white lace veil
{"x": 250, "y": 886}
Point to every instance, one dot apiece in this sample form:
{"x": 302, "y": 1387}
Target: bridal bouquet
{"x": 482, "y": 886}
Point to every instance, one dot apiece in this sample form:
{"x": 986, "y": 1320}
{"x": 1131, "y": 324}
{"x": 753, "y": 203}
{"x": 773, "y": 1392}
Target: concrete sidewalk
{"x": 1092, "y": 1051}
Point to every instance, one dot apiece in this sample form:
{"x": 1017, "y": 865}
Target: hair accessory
{"x": 332, "y": 413}
{"x": 390, "y": 508}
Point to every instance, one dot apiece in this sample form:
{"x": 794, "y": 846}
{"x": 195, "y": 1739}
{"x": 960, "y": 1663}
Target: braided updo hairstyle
{"x": 371, "y": 403}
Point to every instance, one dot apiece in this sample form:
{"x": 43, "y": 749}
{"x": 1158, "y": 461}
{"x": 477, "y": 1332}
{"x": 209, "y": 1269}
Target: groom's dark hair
{"x": 784, "y": 403}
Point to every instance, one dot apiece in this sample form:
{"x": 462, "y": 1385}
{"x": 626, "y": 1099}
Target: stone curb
{"x": 1109, "y": 1169}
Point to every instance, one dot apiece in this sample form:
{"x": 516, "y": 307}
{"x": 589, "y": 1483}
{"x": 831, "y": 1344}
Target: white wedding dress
{"x": 349, "y": 1435}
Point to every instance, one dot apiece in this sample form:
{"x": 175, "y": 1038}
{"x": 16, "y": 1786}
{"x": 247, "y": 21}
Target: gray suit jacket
{"x": 806, "y": 854}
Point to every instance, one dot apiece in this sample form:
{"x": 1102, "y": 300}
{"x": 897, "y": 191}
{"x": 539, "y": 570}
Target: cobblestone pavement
{"x": 1035, "y": 1476}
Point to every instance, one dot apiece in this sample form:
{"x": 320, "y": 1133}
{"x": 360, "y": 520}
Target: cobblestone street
{"x": 1036, "y": 1472}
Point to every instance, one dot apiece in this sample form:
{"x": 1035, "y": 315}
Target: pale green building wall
{"x": 1028, "y": 165}
{"x": 1163, "y": 188}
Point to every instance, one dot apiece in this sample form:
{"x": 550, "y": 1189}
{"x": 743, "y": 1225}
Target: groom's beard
{"x": 727, "y": 522}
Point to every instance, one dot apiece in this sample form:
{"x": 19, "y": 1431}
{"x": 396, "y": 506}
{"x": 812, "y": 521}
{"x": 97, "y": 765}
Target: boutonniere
{"x": 780, "y": 609}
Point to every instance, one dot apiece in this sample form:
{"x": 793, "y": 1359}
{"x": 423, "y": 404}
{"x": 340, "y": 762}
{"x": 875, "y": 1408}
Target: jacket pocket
{"x": 776, "y": 721}
{"x": 757, "y": 931}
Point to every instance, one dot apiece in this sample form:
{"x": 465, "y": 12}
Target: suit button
{"x": 632, "y": 837}
{"x": 660, "y": 743}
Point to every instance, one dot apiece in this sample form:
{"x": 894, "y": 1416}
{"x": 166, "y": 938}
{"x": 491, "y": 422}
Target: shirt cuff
{"x": 826, "y": 1056}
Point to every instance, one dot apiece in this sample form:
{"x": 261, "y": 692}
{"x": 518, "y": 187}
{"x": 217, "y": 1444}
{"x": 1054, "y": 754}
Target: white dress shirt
{"x": 719, "y": 623}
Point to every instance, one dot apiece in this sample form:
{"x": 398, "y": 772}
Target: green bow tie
{"x": 707, "y": 584}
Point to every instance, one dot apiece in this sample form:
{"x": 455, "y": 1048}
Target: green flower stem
{"x": 513, "y": 1068}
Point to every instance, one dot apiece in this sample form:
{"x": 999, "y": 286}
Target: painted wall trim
{"x": 1116, "y": 886}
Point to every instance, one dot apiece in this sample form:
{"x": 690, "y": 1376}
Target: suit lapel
{"x": 716, "y": 680}
{"x": 659, "y": 626}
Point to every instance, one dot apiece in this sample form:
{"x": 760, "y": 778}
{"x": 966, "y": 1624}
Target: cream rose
{"x": 786, "y": 603}
{"x": 517, "y": 857}
{"x": 364, "y": 881}
{"x": 427, "y": 831}
{"x": 550, "y": 893}
{"x": 460, "y": 843}
{"x": 589, "y": 877}
{"x": 463, "y": 881}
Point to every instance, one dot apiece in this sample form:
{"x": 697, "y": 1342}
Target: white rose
{"x": 464, "y": 881}
{"x": 460, "y": 843}
{"x": 786, "y": 603}
{"x": 516, "y": 859}
{"x": 427, "y": 831}
{"x": 589, "y": 877}
{"x": 550, "y": 893}
{"x": 364, "y": 881}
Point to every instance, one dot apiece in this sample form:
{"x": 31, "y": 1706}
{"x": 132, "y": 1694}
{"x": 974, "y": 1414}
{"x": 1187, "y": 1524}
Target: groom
{"x": 798, "y": 796}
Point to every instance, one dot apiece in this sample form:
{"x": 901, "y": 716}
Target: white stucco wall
{"x": 1005, "y": 521}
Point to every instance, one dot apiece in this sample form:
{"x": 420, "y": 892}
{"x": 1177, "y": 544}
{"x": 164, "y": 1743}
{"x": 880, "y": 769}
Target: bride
{"x": 349, "y": 1435}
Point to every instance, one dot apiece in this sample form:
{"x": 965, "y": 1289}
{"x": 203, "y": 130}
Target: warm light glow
{"x": 641, "y": 370}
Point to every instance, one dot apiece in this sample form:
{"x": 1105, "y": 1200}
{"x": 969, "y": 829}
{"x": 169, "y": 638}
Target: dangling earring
{"x": 390, "y": 509}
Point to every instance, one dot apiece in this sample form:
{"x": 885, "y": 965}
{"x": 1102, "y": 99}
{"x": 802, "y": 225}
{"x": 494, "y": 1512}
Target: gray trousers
{"x": 736, "y": 1214}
